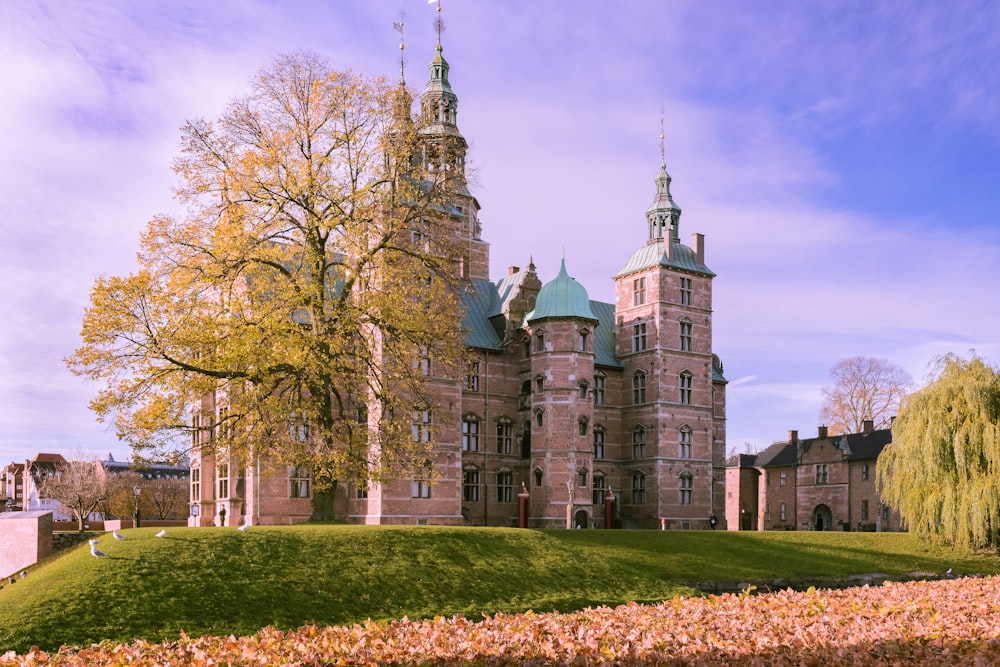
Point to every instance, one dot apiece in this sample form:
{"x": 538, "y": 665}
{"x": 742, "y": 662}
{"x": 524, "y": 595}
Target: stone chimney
{"x": 793, "y": 436}
{"x": 822, "y": 433}
{"x": 698, "y": 244}
{"x": 868, "y": 426}
{"x": 511, "y": 270}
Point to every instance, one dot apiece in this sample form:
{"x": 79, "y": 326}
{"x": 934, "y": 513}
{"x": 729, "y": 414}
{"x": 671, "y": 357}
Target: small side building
{"x": 821, "y": 483}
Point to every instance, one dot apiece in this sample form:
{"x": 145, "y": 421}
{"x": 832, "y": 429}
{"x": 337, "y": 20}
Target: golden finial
{"x": 398, "y": 26}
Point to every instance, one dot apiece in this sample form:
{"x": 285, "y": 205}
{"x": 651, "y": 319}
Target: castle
{"x": 570, "y": 401}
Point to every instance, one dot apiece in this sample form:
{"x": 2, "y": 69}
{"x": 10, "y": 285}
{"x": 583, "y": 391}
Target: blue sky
{"x": 842, "y": 159}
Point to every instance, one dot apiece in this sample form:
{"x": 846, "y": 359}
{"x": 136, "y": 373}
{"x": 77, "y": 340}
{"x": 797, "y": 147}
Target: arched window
{"x": 583, "y": 425}
{"x": 505, "y": 486}
{"x": 599, "y": 382}
{"x": 638, "y": 488}
{"x": 470, "y": 485}
{"x": 581, "y": 339}
{"x": 684, "y": 387}
{"x": 470, "y": 433}
{"x": 538, "y": 476}
{"x": 639, "y": 388}
{"x": 598, "y": 489}
{"x": 685, "y": 335}
{"x": 539, "y": 417}
{"x": 598, "y": 442}
{"x": 685, "y": 485}
{"x": 539, "y": 341}
{"x": 639, "y": 442}
{"x": 505, "y": 429}
{"x": 684, "y": 442}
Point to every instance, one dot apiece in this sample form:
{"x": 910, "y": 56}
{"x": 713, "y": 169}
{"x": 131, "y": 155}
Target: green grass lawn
{"x": 220, "y": 581}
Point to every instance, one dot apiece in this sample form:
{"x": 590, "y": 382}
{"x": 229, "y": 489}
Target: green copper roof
{"x": 654, "y": 254}
{"x": 562, "y": 297}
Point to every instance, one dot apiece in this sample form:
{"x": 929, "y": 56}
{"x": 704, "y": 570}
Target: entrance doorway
{"x": 822, "y": 518}
{"x": 581, "y": 519}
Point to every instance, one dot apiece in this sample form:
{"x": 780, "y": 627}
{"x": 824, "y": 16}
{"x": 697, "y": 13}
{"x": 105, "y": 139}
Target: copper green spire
{"x": 563, "y": 296}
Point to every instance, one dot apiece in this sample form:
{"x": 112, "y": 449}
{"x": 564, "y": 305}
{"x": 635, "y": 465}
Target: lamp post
{"x": 137, "y": 490}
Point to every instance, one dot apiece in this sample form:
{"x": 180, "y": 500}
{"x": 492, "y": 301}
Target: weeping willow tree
{"x": 294, "y": 312}
{"x": 942, "y": 470}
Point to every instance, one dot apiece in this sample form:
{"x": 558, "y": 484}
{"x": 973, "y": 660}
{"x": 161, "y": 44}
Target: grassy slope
{"x": 220, "y": 581}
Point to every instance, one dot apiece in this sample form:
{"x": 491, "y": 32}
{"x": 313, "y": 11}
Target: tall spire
{"x": 398, "y": 26}
{"x": 438, "y": 101}
{"x": 663, "y": 214}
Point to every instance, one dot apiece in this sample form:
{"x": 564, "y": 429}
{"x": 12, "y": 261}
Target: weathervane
{"x": 399, "y": 28}
{"x": 438, "y": 22}
{"x": 663, "y": 158}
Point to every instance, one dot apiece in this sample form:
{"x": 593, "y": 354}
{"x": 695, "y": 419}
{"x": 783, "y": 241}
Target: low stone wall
{"x": 770, "y": 585}
{"x": 27, "y": 538}
{"x": 61, "y": 541}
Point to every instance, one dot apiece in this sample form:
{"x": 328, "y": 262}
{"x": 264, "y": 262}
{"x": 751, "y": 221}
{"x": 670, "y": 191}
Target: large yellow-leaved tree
{"x": 307, "y": 289}
{"x": 942, "y": 469}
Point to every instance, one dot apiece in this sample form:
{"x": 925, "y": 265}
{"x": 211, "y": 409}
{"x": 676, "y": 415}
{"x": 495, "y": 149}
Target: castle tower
{"x": 673, "y": 431}
{"x": 561, "y": 328}
{"x": 444, "y": 149}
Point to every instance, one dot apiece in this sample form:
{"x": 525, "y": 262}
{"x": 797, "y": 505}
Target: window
{"x": 222, "y": 477}
{"x": 539, "y": 417}
{"x": 864, "y": 471}
{"x": 225, "y": 424}
{"x": 684, "y": 388}
{"x": 583, "y": 426}
{"x": 685, "y": 486}
{"x": 504, "y": 435}
{"x": 470, "y": 434}
{"x": 639, "y": 337}
{"x": 361, "y": 493}
{"x": 684, "y": 440}
{"x": 864, "y": 510}
{"x": 638, "y": 291}
{"x": 638, "y": 388}
{"x": 421, "y": 485}
{"x": 598, "y": 442}
{"x": 581, "y": 340}
{"x": 195, "y": 485}
{"x": 420, "y": 235}
{"x": 470, "y": 486}
{"x": 685, "y": 284}
{"x": 540, "y": 341}
{"x": 526, "y": 346}
{"x": 767, "y": 512}
{"x": 505, "y": 487}
{"x": 781, "y": 511}
{"x": 298, "y": 482}
{"x": 423, "y": 360}
{"x": 598, "y": 489}
{"x": 298, "y": 428}
{"x": 524, "y": 396}
{"x": 638, "y": 489}
{"x": 821, "y": 474}
{"x": 420, "y": 428}
{"x": 685, "y": 345}
{"x": 599, "y": 389}
{"x": 472, "y": 376}
{"x": 195, "y": 430}
{"x": 639, "y": 443}
{"x": 539, "y": 384}
{"x": 885, "y": 512}
{"x": 581, "y": 477}
{"x": 582, "y": 389}
{"x": 538, "y": 476}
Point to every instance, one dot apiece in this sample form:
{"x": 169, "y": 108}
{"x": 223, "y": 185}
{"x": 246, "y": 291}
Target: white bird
{"x": 243, "y": 528}
{"x": 24, "y": 573}
{"x": 948, "y": 572}
{"x": 162, "y": 533}
{"x": 94, "y": 550}
{"x": 117, "y": 535}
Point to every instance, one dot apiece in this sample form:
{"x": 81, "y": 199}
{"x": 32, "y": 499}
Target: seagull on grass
{"x": 94, "y": 551}
{"x": 243, "y": 528}
{"x": 162, "y": 533}
{"x": 117, "y": 535}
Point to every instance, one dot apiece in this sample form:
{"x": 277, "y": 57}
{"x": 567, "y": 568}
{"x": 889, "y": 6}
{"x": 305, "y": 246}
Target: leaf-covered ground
{"x": 953, "y": 622}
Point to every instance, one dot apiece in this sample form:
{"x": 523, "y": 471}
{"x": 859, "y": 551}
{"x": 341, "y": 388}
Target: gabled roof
{"x": 479, "y": 304}
{"x": 604, "y": 335}
{"x": 856, "y": 447}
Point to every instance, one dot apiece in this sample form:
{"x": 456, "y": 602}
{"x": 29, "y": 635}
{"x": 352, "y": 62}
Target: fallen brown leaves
{"x": 931, "y": 623}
